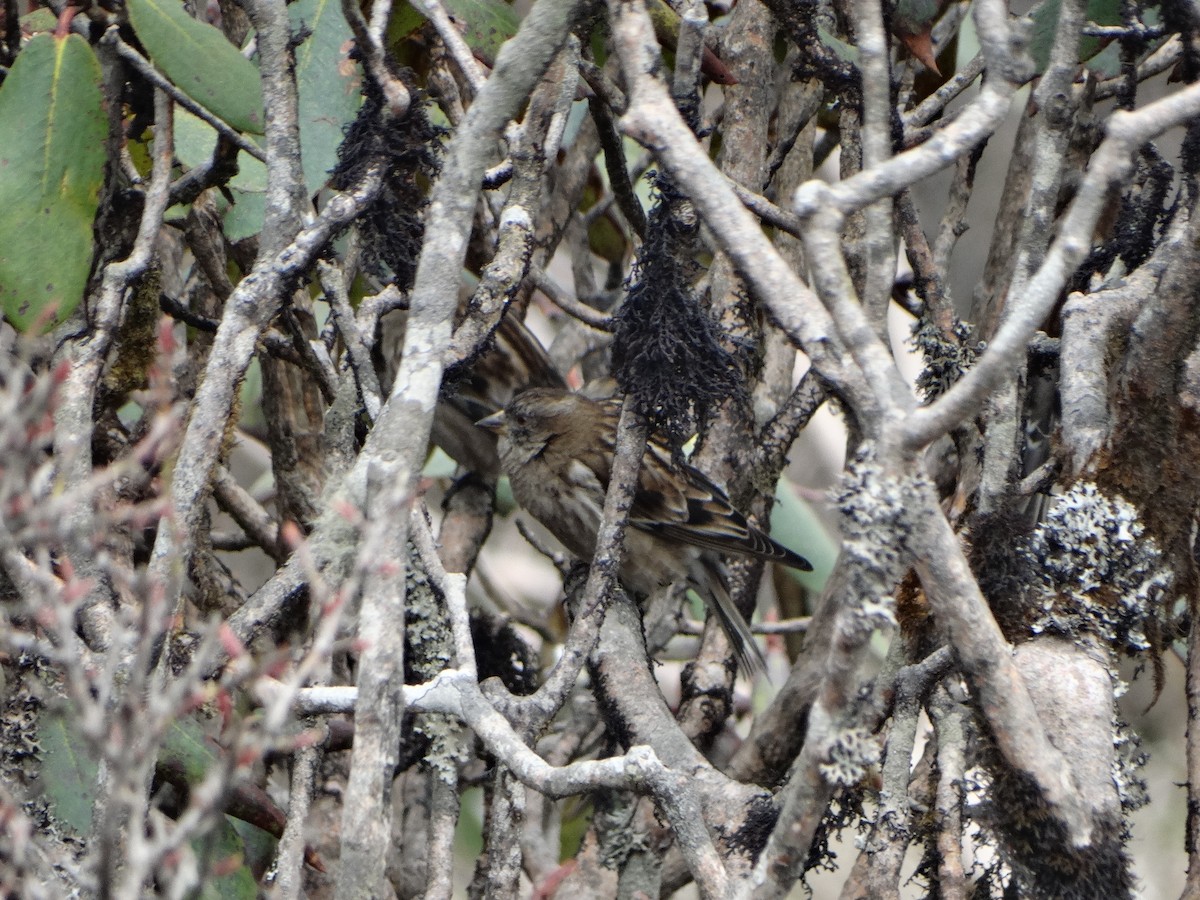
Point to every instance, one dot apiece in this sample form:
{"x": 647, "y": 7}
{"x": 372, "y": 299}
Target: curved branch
{"x": 1110, "y": 165}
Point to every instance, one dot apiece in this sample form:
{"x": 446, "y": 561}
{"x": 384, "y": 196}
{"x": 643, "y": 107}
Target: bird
{"x": 557, "y": 449}
{"x": 513, "y": 360}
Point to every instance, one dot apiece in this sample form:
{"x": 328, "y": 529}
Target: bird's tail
{"x": 711, "y": 587}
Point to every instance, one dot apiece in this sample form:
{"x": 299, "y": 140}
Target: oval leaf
{"x": 485, "y": 24}
{"x": 195, "y": 141}
{"x": 1045, "y": 22}
{"x": 38, "y": 20}
{"x": 186, "y": 750}
{"x": 200, "y": 61}
{"x": 222, "y": 854}
{"x": 51, "y": 169}
{"x": 845, "y": 52}
{"x": 328, "y": 82}
{"x": 68, "y": 777}
{"x": 245, "y": 218}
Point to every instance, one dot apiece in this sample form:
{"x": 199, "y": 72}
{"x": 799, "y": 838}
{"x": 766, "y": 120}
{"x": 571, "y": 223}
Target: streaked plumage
{"x": 557, "y": 449}
{"x": 514, "y": 361}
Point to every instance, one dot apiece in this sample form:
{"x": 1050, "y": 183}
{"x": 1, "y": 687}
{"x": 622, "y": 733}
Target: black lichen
{"x": 392, "y": 227}
{"x": 667, "y": 355}
{"x": 1040, "y": 861}
{"x": 501, "y": 652}
{"x": 756, "y": 827}
{"x": 947, "y": 357}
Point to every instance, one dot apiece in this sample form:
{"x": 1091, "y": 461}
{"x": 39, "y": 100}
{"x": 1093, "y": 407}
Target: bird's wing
{"x": 699, "y": 514}
{"x": 690, "y": 509}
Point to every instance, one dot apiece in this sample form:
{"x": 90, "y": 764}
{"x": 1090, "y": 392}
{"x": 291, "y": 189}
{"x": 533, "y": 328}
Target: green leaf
{"x": 606, "y": 240}
{"x": 68, "y": 773}
{"x": 794, "y": 524}
{"x": 39, "y": 20}
{"x": 1107, "y": 63}
{"x": 51, "y": 169}
{"x": 223, "y": 851}
{"x": 486, "y": 24}
{"x": 844, "y": 51}
{"x": 405, "y": 20}
{"x": 329, "y": 84}
{"x": 245, "y": 218}
{"x": 195, "y": 140}
{"x": 200, "y": 61}
{"x": 260, "y": 847}
{"x": 185, "y": 749}
{"x": 1045, "y": 22}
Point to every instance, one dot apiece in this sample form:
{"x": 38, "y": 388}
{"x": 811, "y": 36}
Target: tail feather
{"x": 711, "y": 587}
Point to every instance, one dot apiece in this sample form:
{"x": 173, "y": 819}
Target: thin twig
{"x": 778, "y": 435}
{"x": 768, "y": 211}
{"x": 290, "y": 858}
{"x": 468, "y": 66}
{"x": 255, "y": 521}
{"x": 1158, "y": 62}
{"x": 144, "y": 68}
{"x": 370, "y": 45}
{"x": 879, "y": 249}
{"x": 334, "y": 284}
{"x": 933, "y": 105}
{"x": 951, "y": 720}
{"x": 615, "y": 165}
{"x": 926, "y": 274}
{"x": 953, "y": 224}
{"x": 573, "y": 307}
{"x": 1193, "y": 745}
{"x": 783, "y": 626}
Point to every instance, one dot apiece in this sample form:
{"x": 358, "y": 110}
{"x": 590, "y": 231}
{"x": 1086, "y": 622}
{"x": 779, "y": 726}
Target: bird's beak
{"x": 492, "y": 423}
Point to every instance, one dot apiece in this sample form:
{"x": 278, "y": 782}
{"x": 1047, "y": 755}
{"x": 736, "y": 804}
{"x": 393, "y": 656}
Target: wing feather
{"x": 679, "y": 502}
{"x": 694, "y": 510}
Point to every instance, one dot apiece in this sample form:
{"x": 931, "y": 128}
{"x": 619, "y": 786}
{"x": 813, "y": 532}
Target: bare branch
{"x": 1110, "y": 164}
{"x": 653, "y": 120}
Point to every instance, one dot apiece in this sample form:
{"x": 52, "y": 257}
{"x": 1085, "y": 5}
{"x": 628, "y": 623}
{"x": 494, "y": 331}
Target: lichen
{"x": 852, "y": 755}
{"x": 1095, "y": 571}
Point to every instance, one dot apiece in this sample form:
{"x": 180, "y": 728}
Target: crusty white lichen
{"x": 874, "y": 516}
{"x": 946, "y": 357}
{"x": 852, "y": 755}
{"x": 1095, "y": 570}
{"x": 875, "y": 524}
{"x": 1128, "y": 762}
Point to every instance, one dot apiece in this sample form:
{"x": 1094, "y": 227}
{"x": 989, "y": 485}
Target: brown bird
{"x": 515, "y": 360}
{"x": 557, "y": 450}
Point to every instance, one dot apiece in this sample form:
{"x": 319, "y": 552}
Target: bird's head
{"x": 537, "y": 416}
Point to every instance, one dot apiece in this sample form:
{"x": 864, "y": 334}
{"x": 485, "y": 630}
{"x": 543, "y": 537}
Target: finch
{"x": 557, "y": 449}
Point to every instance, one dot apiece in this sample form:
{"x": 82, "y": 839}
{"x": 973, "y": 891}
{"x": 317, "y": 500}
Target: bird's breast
{"x": 570, "y": 504}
